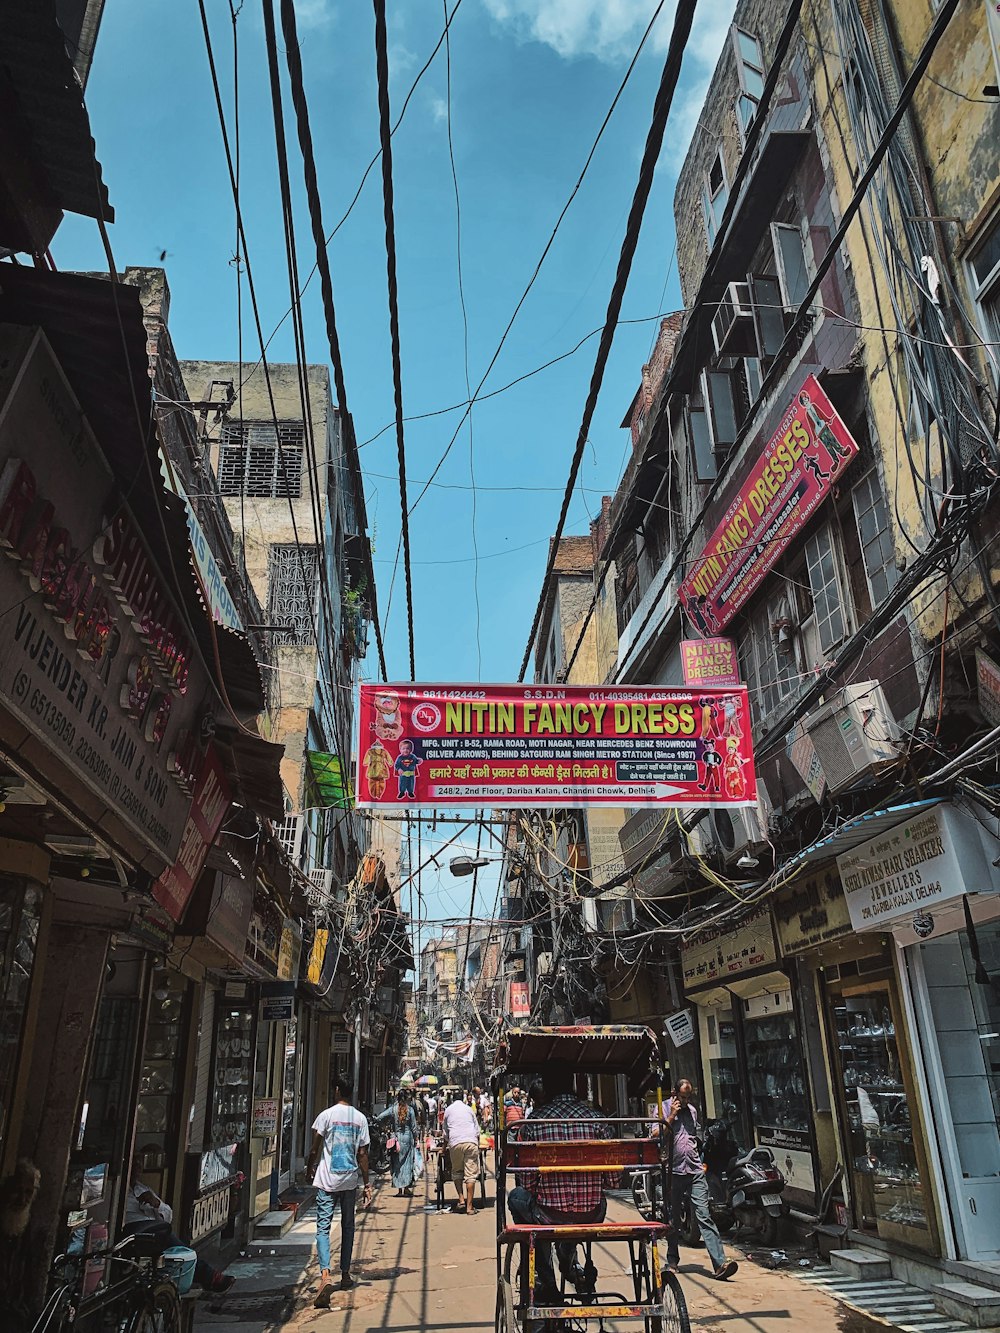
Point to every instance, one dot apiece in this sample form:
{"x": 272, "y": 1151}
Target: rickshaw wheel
{"x": 674, "y": 1316}
{"x": 506, "y": 1321}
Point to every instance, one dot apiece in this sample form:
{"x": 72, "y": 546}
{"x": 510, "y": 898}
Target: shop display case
{"x": 883, "y": 1154}
{"x": 231, "y": 1075}
{"x": 160, "y": 1076}
{"x": 777, "y": 1082}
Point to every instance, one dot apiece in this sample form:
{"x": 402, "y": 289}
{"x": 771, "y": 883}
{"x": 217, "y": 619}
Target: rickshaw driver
{"x": 562, "y": 1197}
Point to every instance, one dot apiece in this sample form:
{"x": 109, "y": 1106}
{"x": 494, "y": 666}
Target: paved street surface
{"x": 420, "y": 1269}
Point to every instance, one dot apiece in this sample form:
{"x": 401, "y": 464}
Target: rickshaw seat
{"x": 581, "y": 1231}
{"x": 583, "y": 1155}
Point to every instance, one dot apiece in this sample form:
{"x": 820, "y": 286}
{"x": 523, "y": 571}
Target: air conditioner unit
{"x": 543, "y": 965}
{"x": 737, "y": 832}
{"x": 854, "y": 734}
{"x": 621, "y": 917}
{"x": 732, "y": 325}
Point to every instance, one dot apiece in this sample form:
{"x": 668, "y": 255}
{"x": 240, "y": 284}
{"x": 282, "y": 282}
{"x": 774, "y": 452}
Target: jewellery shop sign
{"x": 903, "y": 875}
{"x": 93, "y": 659}
{"x": 521, "y": 746}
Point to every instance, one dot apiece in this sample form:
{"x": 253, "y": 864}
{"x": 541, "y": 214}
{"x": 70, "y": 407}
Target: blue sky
{"x": 532, "y": 80}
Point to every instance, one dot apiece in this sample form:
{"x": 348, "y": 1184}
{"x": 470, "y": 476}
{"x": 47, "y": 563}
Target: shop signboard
{"x": 95, "y": 661}
{"x": 277, "y": 1002}
{"x": 797, "y": 469}
{"x": 717, "y": 957}
{"x": 265, "y": 1117}
{"x": 680, "y": 1027}
{"x": 289, "y": 950}
{"x": 210, "y": 801}
{"x": 811, "y": 912}
{"x": 520, "y": 1005}
{"x": 229, "y": 915}
{"x": 931, "y": 858}
{"x": 607, "y": 861}
{"x": 709, "y": 662}
{"x": 522, "y": 746}
{"x": 988, "y": 687}
{"x": 340, "y": 1043}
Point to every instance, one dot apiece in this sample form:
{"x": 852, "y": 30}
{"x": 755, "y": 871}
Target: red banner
{"x": 800, "y": 464}
{"x": 709, "y": 662}
{"x": 211, "y": 799}
{"x": 521, "y": 745}
{"x": 520, "y": 1005}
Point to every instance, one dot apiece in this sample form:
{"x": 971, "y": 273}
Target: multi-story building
{"x": 813, "y": 479}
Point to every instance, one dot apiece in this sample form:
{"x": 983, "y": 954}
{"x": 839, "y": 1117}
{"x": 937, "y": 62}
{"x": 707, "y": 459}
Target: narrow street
{"x": 418, "y": 1268}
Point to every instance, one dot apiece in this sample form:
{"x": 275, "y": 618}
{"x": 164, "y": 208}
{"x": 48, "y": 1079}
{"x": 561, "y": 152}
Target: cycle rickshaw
{"x": 656, "y": 1302}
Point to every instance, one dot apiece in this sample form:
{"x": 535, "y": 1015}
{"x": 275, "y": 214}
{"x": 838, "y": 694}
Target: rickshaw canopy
{"x": 605, "y": 1049}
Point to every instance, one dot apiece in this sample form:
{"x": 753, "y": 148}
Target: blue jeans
{"x": 694, "y": 1189}
{"x": 326, "y": 1201}
{"x": 525, "y": 1208}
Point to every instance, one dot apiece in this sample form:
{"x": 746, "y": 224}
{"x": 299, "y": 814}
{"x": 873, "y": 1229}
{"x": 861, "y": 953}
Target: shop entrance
{"x": 884, "y": 1155}
{"x": 960, "y": 1031}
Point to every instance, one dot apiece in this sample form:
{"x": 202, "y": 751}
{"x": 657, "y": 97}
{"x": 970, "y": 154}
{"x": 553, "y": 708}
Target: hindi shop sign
{"x": 521, "y": 746}
{"x": 94, "y": 661}
{"x": 721, "y": 956}
{"x": 800, "y": 464}
{"x": 709, "y": 662}
{"x": 933, "y": 857}
{"x": 520, "y": 1005}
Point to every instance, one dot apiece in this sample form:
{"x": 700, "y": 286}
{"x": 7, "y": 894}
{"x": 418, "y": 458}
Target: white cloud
{"x": 610, "y": 29}
{"x": 439, "y": 109}
{"x": 312, "y": 14}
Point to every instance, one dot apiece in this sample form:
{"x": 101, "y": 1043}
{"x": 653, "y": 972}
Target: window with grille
{"x": 288, "y": 831}
{"x": 255, "y": 459}
{"x": 771, "y": 673}
{"x": 291, "y": 592}
{"x": 875, "y": 537}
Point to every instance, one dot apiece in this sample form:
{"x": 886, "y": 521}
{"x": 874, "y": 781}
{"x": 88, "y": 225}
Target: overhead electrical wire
{"x": 465, "y": 337}
{"x": 683, "y": 18}
{"x": 547, "y": 247}
{"x": 297, "y": 87}
{"x": 388, "y": 209}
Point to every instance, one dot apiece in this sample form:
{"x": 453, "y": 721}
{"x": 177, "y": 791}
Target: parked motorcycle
{"x": 744, "y": 1189}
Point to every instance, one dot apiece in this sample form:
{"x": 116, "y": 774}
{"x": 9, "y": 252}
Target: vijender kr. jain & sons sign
{"x": 93, "y": 659}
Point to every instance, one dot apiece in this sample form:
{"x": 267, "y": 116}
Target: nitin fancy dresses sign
{"x": 521, "y": 746}
{"x": 797, "y": 468}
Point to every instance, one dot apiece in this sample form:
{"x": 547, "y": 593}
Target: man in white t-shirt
{"x": 461, "y": 1136}
{"x": 339, "y": 1158}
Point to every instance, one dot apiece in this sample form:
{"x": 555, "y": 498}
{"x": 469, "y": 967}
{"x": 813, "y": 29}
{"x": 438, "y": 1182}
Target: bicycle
{"x": 139, "y": 1300}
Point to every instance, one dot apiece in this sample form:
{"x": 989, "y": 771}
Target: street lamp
{"x": 465, "y": 865}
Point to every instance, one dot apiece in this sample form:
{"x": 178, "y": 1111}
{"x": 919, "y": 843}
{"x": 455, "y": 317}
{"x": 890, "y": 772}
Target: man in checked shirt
{"x": 560, "y": 1197}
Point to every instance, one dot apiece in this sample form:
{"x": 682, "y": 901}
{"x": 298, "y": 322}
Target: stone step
{"x": 272, "y": 1226}
{"x": 978, "y": 1306}
{"x": 866, "y": 1265}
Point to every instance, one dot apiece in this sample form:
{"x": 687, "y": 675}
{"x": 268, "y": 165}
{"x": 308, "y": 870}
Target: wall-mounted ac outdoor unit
{"x": 854, "y": 734}
{"x": 737, "y": 832}
{"x": 732, "y": 324}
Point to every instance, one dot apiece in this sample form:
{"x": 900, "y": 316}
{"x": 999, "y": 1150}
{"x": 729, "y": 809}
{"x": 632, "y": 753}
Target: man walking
{"x": 339, "y": 1158}
{"x": 689, "y": 1182}
{"x": 461, "y": 1137}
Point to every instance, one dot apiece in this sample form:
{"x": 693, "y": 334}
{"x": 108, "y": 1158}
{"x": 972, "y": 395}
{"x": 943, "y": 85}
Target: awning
{"x": 37, "y": 66}
{"x": 855, "y": 831}
{"x": 332, "y": 787}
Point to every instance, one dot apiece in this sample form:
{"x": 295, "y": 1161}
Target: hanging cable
{"x": 297, "y": 86}
{"x": 654, "y": 141}
{"x": 385, "y": 136}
